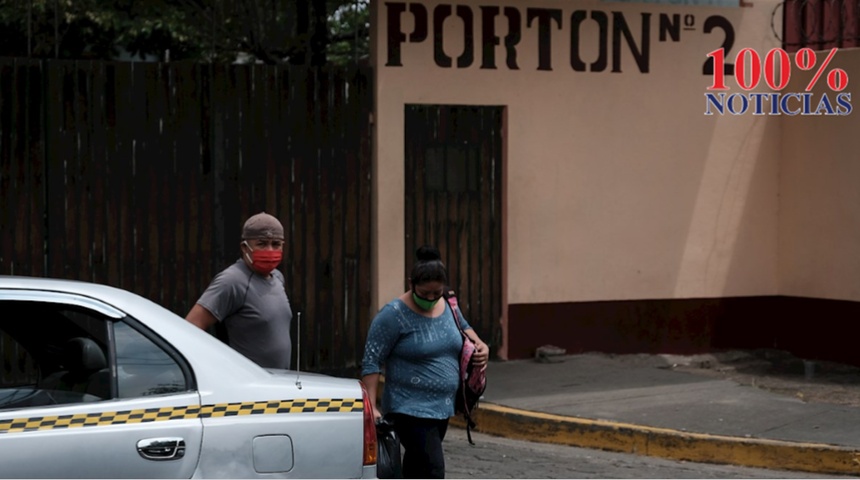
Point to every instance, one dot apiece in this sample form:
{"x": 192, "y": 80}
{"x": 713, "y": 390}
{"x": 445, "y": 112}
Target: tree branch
{"x": 348, "y": 36}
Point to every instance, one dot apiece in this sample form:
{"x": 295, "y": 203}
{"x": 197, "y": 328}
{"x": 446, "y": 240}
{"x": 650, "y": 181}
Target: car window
{"x": 56, "y": 353}
{"x": 143, "y": 368}
{"x": 52, "y": 354}
{"x": 18, "y": 371}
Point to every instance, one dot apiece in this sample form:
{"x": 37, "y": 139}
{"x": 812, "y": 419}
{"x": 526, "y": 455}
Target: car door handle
{"x": 168, "y": 448}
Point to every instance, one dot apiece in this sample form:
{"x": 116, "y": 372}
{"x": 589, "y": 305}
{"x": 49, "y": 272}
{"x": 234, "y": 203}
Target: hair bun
{"x": 428, "y": 253}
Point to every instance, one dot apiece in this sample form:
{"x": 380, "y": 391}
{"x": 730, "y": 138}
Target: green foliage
{"x": 270, "y": 31}
{"x": 349, "y": 31}
{"x": 84, "y": 29}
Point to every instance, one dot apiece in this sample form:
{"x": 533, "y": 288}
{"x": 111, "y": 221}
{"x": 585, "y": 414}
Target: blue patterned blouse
{"x": 421, "y": 357}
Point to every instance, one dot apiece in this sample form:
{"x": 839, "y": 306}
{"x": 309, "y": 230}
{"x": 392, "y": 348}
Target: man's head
{"x": 263, "y": 243}
{"x": 262, "y": 225}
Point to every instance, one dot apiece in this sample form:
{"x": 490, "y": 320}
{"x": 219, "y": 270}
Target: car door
{"x": 88, "y": 392}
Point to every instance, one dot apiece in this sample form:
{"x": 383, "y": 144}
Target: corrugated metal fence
{"x": 140, "y": 175}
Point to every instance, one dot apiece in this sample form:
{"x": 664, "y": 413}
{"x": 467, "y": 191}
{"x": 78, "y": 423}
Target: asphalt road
{"x": 495, "y": 457}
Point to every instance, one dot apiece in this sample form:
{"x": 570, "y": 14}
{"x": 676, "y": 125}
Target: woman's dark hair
{"x": 428, "y": 266}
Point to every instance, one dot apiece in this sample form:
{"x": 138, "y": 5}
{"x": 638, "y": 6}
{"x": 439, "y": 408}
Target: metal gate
{"x": 454, "y": 201}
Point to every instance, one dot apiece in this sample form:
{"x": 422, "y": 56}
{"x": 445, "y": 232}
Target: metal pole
{"x": 56, "y": 29}
{"x": 355, "y": 37}
{"x": 29, "y": 28}
{"x": 212, "y": 38}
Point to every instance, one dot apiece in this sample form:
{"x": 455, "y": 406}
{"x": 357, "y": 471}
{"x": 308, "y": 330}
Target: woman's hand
{"x": 482, "y": 353}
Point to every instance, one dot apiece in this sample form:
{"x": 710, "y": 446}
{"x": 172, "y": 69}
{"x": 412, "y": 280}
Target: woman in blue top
{"x": 417, "y": 341}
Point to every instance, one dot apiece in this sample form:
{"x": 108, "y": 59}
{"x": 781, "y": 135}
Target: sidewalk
{"x": 650, "y": 406}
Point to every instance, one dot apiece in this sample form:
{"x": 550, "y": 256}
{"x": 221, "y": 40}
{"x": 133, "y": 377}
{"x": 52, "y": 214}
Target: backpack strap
{"x": 451, "y": 298}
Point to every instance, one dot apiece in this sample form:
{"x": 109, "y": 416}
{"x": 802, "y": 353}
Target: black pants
{"x": 421, "y": 439}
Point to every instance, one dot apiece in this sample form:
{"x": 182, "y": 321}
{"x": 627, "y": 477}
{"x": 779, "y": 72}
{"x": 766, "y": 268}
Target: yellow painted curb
{"x": 662, "y": 442}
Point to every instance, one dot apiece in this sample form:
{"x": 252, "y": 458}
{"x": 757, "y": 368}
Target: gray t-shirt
{"x": 256, "y": 312}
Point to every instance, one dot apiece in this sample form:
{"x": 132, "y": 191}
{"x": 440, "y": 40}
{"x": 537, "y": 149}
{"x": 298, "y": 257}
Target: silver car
{"x": 97, "y": 382}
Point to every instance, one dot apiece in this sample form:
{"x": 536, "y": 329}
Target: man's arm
{"x": 201, "y": 317}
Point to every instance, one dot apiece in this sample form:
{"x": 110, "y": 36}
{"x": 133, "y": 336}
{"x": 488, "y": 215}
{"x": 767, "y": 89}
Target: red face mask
{"x": 264, "y": 261}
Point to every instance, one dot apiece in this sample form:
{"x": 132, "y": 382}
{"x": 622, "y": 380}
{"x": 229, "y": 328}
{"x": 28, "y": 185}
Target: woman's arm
{"x": 482, "y": 354}
{"x": 371, "y": 382}
{"x": 380, "y": 341}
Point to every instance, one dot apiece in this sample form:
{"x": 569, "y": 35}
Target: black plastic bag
{"x": 388, "y": 443}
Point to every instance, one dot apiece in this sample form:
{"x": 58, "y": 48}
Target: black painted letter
{"x": 468, "y": 55}
{"x": 544, "y": 15}
{"x": 440, "y": 13}
{"x": 395, "y": 36}
{"x": 619, "y": 26}
{"x": 489, "y": 40}
{"x": 419, "y": 14}
{"x": 576, "y": 20}
{"x": 515, "y": 21}
{"x": 673, "y": 28}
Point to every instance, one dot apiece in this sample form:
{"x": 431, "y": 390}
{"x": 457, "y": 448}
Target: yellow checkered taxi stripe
{"x": 272, "y": 407}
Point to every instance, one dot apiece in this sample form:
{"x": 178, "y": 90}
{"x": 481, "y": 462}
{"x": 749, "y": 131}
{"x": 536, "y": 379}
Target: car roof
{"x": 59, "y": 285}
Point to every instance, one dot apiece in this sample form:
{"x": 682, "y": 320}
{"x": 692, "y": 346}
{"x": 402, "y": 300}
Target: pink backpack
{"x": 473, "y": 379}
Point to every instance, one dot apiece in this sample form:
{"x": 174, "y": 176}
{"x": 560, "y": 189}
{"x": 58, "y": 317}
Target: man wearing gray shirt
{"x": 250, "y": 299}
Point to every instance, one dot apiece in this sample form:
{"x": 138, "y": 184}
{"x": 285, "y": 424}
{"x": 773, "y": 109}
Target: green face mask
{"x": 423, "y": 303}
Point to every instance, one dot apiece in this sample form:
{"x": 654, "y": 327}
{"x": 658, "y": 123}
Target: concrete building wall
{"x": 629, "y": 214}
{"x": 819, "y": 221}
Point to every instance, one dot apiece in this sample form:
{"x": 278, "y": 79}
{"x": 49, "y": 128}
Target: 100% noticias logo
{"x": 777, "y": 73}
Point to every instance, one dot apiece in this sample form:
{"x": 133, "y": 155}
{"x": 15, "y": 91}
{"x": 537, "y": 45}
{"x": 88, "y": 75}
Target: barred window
{"x": 818, "y": 24}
